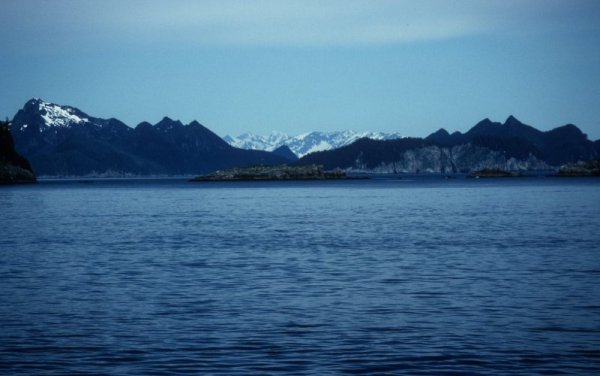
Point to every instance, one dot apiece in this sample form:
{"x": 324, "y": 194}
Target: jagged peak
{"x": 439, "y": 135}
{"x": 568, "y": 128}
{"x": 195, "y": 123}
{"x": 275, "y": 133}
{"x": 482, "y": 126}
{"x": 144, "y": 124}
{"x": 167, "y": 121}
{"x": 484, "y": 122}
{"x": 511, "y": 120}
{"x": 35, "y": 104}
{"x": 34, "y": 101}
{"x": 441, "y": 132}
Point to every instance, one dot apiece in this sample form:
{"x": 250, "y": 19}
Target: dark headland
{"x": 14, "y": 169}
{"x": 277, "y": 172}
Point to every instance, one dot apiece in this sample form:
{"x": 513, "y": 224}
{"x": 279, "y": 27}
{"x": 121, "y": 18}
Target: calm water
{"x": 425, "y": 277}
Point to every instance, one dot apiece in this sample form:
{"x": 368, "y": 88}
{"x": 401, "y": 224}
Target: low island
{"x": 277, "y": 172}
{"x": 581, "y": 168}
{"x": 492, "y": 173}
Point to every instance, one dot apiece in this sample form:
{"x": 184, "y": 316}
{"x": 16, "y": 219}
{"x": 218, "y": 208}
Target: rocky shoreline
{"x": 11, "y": 174}
{"x": 278, "y": 172}
{"x": 581, "y": 168}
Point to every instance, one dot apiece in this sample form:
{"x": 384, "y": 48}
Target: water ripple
{"x": 399, "y": 277}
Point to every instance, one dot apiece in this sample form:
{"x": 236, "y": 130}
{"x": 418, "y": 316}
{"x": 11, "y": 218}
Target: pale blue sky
{"x": 296, "y": 66}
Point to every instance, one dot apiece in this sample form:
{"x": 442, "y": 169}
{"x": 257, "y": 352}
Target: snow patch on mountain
{"x": 256, "y": 142}
{"x": 59, "y": 116}
{"x": 305, "y": 143}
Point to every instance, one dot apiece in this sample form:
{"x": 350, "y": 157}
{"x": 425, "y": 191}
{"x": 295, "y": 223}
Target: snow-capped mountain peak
{"x": 304, "y": 143}
{"x": 59, "y": 116}
{"x": 277, "y": 138}
{"x": 40, "y": 116}
{"x": 248, "y": 141}
{"x": 256, "y": 142}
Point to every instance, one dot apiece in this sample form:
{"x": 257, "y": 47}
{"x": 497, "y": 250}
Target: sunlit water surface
{"x": 423, "y": 277}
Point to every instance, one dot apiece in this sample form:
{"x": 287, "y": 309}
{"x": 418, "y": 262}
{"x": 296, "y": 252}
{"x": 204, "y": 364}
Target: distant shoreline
{"x": 349, "y": 176}
{"x": 274, "y": 173}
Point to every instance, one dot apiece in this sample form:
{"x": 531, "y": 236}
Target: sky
{"x": 297, "y": 66}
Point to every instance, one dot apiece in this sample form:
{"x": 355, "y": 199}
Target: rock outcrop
{"x": 14, "y": 169}
{"x": 424, "y": 158}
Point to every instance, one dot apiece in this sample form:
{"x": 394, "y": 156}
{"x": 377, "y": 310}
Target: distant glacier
{"x": 305, "y": 143}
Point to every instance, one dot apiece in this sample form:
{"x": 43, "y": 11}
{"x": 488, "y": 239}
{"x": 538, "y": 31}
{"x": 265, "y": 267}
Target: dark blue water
{"x": 424, "y": 277}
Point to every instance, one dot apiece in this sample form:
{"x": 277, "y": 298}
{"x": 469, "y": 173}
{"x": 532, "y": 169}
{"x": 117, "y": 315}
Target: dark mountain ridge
{"x": 511, "y": 145}
{"x": 286, "y": 152}
{"x": 65, "y": 141}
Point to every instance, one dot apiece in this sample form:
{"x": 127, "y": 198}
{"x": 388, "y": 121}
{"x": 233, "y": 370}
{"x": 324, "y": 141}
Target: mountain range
{"x": 305, "y": 143}
{"x": 511, "y": 146}
{"x": 65, "y": 141}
